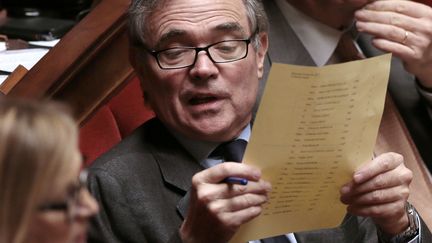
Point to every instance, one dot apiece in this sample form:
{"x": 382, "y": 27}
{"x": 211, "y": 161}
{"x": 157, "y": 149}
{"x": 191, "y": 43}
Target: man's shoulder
{"x": 135, "y": 147}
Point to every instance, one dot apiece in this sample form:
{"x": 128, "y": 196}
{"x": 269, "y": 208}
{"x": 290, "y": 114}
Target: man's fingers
{"x": 403, "y": 22}
{"x": 377, "y": 197}
{"x": 237, "y": 203}
{"x": 218, "y": 173}
{"x": 388, "y": 210}
{"x": 404, "y": 52}
{"x": 260, "y": 187}
{"x": 379, "y": 165}
{"x": 237, "y": 218}
{"x": 389, "y": 32}
{"x": 399, "y": 176}
{"x": 409, "y": 8}
{"x": 386, "y": 18}
{"x": 210, "y": 192}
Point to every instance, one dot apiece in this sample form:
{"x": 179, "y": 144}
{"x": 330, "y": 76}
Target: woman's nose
{"x": 87, "y": 206}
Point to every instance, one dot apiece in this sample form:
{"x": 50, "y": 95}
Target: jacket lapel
{"x": 285, "y": 46}
{"x": 176, "y": 164}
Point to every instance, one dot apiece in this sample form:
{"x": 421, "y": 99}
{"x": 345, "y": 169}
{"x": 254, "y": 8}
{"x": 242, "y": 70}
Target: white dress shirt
{"x": 320, "y": 40}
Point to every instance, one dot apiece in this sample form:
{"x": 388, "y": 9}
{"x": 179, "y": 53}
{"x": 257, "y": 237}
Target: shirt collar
{"x": 319, "y": 39}
{"x": 200, "y": 150}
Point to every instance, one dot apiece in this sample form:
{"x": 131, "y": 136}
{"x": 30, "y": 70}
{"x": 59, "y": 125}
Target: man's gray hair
{"x": 140, "y": 10}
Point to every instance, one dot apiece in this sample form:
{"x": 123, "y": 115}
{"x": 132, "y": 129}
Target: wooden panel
{"x": 87, "y": 64}
{"x": 98, "y": 80}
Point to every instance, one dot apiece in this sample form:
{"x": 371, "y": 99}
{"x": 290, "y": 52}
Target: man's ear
{"x": 261, "y": 53}
{"x": 136, "y": 61}
{"x": 133, "y": 57}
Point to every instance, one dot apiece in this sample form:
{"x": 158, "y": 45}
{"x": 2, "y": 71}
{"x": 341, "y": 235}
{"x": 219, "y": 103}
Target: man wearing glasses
{"x": 200, "y": 62}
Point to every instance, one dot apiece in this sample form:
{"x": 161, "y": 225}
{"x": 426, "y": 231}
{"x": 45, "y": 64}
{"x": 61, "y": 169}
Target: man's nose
{"x": 204, "y": 67}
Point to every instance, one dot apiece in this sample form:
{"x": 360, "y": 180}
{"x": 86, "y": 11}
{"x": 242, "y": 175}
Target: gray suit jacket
{"x": 141, "y": 187}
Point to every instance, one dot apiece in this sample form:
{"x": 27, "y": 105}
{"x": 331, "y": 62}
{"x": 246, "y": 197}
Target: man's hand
{"x": 216, "y": 209}
{"x": 403, "y": 28}
{"x": 380, "y": 189}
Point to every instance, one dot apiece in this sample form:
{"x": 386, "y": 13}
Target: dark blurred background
{"x": 63, "y": 9}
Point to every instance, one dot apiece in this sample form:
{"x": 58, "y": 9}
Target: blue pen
{"x": 236, "y": 180}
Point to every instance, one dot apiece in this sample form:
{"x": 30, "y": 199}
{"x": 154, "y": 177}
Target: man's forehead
{"x": 178, "y": 17}
{"x": 202, "y": 7}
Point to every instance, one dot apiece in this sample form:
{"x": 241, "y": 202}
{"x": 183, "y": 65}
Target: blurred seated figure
{"x": 42, "y": 193}
{"x": 62, "y": 9}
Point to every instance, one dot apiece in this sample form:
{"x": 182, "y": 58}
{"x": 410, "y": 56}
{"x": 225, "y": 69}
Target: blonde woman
{"x": 42, "y": 187}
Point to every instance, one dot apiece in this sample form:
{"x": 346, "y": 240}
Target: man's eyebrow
{"x": 231, "y": 26}
{"x": 175, "y": 33}
{"x": 171, "y": 34}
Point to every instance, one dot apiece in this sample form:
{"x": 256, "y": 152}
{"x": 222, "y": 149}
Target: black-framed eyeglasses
{"x": 219, "y": 52}
{"x": 73, "y": 199}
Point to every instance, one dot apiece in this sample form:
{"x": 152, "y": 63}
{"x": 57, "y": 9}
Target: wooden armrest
{"x": 13, "y": 79}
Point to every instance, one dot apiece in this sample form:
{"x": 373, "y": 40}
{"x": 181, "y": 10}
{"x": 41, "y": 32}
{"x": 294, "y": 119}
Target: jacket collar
{"x": 283, "y": 40}
{"x": 175, "y": 163}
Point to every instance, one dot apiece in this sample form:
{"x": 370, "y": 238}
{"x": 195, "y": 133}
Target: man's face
{"x": 207, "y": 101}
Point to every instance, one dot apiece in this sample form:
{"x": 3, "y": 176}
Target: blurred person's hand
{"x": 403, "y": 28}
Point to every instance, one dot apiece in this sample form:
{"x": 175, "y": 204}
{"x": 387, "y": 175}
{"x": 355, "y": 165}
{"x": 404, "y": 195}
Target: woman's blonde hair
{"x": 37, "y": 142}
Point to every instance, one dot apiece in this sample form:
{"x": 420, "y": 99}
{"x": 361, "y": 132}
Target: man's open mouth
{"x": 202, "y": 100}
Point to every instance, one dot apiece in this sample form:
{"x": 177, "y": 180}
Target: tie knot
{"x": 231, "y": 151}
{"x": 347, "y": 50}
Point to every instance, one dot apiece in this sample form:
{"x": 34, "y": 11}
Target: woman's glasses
{"x": 73, "y": 201}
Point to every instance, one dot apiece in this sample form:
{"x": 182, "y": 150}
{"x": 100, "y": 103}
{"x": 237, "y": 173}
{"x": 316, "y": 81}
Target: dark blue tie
{"x": 231, "y": 151}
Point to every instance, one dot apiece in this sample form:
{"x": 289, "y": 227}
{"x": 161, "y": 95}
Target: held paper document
{"x": 314, "y": 127}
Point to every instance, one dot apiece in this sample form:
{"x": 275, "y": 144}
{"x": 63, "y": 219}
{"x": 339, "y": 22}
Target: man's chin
{"x": 216, "y": 132}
